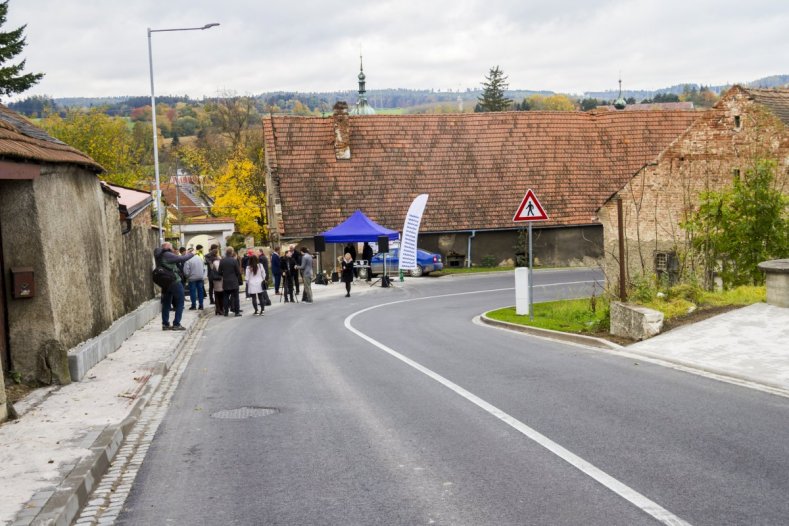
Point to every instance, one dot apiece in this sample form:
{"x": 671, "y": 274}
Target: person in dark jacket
{"x": 295, "y": 255}
{"x": 231, "y": 281}
{"x": 213, "y": 254}
{"x": 288, "y": 266}
{"x": 347, "y": 273}
{"x": 367, "y": 255}
{"x": 350, "y": 248}
{"x": 276, "y": 271}
{"x": 174, "y": 294}
{"x": 244, "y": 264}
{"x": 263, "y": 259}
{"x": 183, "y": 252}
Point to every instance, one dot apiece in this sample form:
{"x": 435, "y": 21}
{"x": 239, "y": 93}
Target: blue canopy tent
{"x": 356, "y": 229}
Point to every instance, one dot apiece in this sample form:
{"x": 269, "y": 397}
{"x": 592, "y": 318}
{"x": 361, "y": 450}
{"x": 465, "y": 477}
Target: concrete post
{"x": 522, "y": 291}
{"x": 777, "y": 274}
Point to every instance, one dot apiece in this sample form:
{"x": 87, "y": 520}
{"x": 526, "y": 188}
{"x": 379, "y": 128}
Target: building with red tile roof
{"x": 476, "y": 167}
{"x": 746, "y": 125}
{"x": 184, "y": 201}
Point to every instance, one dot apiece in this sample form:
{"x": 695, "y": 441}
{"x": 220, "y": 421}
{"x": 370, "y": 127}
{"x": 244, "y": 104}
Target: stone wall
{"x": 706, "y": 157}
{"x": 87, "y": 274}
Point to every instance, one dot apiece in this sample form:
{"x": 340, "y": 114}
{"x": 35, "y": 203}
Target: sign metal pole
{"x": 531, "y": 279}
{"x": 529, "y": 210}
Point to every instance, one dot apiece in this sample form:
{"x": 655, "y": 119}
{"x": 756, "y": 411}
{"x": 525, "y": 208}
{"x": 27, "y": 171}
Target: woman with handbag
{"x": 347, "y": 273}
{"x": 255, "y": 275}
{"x": 216, "y": 280}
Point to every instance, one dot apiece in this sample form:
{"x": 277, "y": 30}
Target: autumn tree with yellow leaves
{"x": 240, "y": 192}
{"x": 557, "y": 102}
{"x": 125, "y": 153}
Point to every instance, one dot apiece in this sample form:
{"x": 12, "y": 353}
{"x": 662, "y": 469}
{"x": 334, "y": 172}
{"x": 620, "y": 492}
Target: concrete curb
{"x": 87, "y": 354}
{"x": 721, "y": 374}
{"x": 61, "y": 506}
{"x": 553, "y": 335}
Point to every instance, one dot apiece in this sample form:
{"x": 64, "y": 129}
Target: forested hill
{"x": 773, "y": 81}
{"x": 317, "y": 103}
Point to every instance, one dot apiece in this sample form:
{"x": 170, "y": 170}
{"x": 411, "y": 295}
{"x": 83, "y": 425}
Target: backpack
{"x": 213, "y": 274}
{"x": 163, "y": 277}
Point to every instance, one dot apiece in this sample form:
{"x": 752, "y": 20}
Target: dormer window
{"x": 737, "y": 122}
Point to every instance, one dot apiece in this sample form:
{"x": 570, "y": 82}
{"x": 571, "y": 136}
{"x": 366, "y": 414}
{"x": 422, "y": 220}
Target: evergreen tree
{"x": 492, "y": 98}
{"x": 11, "y": 44}
{"x": 589, "y": 104}
{"x": 35, "y": 106}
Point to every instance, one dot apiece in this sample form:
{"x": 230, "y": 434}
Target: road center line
{"x": 621, "y": 489}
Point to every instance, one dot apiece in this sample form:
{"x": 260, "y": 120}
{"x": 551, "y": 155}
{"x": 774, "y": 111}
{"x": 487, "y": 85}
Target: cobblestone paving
{"x": 106, "y": 501}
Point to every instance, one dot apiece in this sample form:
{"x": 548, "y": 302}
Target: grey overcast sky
{"x": 99, "y": 47}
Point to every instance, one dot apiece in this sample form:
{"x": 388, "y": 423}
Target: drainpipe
{"x": 468, "y": 250}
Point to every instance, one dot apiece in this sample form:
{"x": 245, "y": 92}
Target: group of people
{"x": 225, "y": 276}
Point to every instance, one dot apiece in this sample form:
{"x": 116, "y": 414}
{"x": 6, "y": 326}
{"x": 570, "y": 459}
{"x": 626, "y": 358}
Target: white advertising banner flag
{"x": 411, "y": 233}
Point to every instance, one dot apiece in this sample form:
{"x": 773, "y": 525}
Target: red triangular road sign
{"x": 530, "y": 209}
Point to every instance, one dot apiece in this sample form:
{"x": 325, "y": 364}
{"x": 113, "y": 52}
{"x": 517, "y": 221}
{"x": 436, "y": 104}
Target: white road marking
{"x": 621, "y": 489}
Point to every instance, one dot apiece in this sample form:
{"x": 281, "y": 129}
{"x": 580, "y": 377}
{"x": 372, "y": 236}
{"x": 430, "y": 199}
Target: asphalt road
{"x": 396, "y": 408}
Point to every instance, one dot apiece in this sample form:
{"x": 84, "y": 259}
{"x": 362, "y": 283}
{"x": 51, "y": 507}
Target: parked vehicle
{"x": 427, "y": 262}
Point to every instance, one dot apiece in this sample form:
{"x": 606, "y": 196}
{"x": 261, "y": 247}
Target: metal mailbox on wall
{"x": 23, "y": 283}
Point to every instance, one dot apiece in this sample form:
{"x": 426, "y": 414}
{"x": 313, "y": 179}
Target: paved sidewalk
{"x": 54, "y": 455}
{"x": 750, "y": 344}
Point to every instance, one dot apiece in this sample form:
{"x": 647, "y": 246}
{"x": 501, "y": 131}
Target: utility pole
{"x": 622, "y": 265}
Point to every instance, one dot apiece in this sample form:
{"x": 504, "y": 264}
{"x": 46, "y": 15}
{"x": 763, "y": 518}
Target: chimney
{"x": 342, "y": 131}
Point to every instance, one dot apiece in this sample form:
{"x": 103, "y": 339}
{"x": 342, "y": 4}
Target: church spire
{"x": 620, "y": 102}
{"x": 362, "y": 91}
{"x": 362, "y": 107}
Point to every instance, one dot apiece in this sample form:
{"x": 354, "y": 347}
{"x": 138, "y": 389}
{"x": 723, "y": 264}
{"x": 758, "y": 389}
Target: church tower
{"x": 362, "y": 107}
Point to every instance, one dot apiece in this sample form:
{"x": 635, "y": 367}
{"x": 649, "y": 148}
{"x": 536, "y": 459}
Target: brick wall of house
{"x": 706, "y": 157}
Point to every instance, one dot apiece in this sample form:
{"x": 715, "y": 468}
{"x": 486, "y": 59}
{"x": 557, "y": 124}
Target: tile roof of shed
{"x": 776, "y": 100}
{"x": 175, "y": 197}
{"x": 134, "y": 200}
{"x": 476, "y": 167}
{"x": 21, "y": 140}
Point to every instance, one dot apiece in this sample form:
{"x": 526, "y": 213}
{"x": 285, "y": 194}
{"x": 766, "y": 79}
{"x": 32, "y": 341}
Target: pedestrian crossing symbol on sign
{"x": 530, "y": 209}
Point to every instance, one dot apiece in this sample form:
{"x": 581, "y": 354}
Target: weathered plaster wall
{"x": 3, "y": 407}
{"x": 32, "y": 334}
{"x": 87, "y": 275}
{"x": 71, "y": 213}
{"x": 130, "y": 259}
{"x": 661, "y": 195}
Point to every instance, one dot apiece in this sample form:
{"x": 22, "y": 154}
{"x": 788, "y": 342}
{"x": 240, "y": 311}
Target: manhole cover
{"x": 245, "y": 412}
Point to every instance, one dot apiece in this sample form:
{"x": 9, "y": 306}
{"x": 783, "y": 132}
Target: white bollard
{"x": 522, "y": 291}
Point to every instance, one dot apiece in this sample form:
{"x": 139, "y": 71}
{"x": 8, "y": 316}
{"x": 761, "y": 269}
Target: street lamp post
{"x": 153, "y": 120}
